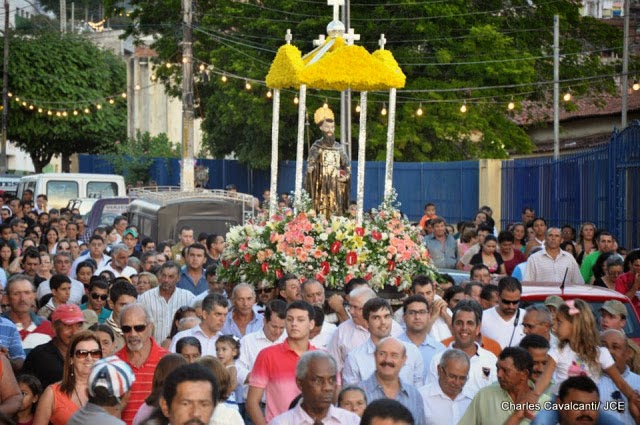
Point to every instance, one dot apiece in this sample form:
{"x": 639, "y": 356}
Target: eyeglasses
{"x": 83, "y": 354}
{"x": 265, "y": 290}
{"x": 461, "y": 379}
{"x": 103, "y": 297}
{"x": 416, "y": 312}
{"x": 510, "y": 302}
{"x": 138, "y": 328}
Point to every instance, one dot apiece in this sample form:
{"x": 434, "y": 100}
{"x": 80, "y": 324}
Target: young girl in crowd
{"x": 228, "y": 351}
{"x": 578, "y": 352}
{"x": 31, "y": 389}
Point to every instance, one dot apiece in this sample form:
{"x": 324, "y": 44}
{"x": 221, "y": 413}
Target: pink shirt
{"x": 275, "y": 371}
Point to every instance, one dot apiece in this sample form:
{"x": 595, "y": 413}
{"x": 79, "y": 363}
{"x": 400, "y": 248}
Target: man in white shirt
{"x": 360, "y": 363}
{"x": 552, "y": 264}
{"x": 446, "y": 400}
{"x": 467, "y": 320}
{"x": 62, "y": 265}
{"x": 165, "y": 299}
{"x": 214, "y": 313}
{"x": 119, "y": 262}
{"x": 96, "y": 253}
{"x": 504, "y": 321}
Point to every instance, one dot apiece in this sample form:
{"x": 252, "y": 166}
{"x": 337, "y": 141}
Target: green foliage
{"x": 133, "y": 158}
{"x": 486, "y": 53}
{"x": 63, "y": 72}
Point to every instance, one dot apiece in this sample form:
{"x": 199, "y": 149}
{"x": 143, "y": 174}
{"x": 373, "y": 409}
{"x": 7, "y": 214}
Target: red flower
{"x": 335, "y": 247}
{"x": 352, "y": 258}
{"x": 368, "y": 276}
{"x": 225, "y": 264}
{"x": 398, "y": 280}
{"x": 348, "y": 278}
{"x": 278, "y": 273}
{"x": 265, "y": 268}
{"x": 359, "y": 231}
{"x": 247, "y": 258}
{"x": 325, "y": 267}
{"x": 320, "y": 277}
{"x": 376, "y": 235}
{"x": 391, "y": 266}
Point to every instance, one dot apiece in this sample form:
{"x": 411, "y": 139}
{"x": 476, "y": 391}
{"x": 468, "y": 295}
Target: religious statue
{"x": 328, "y": 180}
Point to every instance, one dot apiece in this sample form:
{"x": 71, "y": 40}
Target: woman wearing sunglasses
{"x": 60, "y": 400}
{"x": 97, "y": 298}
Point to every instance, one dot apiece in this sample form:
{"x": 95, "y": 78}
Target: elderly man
{"x": 274, "y": 369}
{"x": 243, "y": 318}
{"x": 552, "y": 264}
{"x": 119, "y": 264}
{"x": 313, "y": 293}
{"x": 165, "y": 299}
{"x": 467, "y": 320}
{"x": 614, "y": 316}
{"x": 616, "y": 342}
{"x": 360, "y": 363}
{"x": 504, "y": 322}
{"x": 192, "y": 275}
{"x": 317, "y": 379}
{"x": 185, "y": 239}
{"x": 214, "y": 312}
{"x": 140, "y": 352}
{"x": 385, "y": 382}
{"x": 497, "y": 402}
{"x": 96, "y": 253}
{"x": 538, "y": 321}
{"x": 446, "y": 400}
{"x": 46, "y": 361}
{"x": 289, "y": 288}
{"x": 62, "y": 265}
{"x": 33, "y": 329}
{"x": 189, "y": 396}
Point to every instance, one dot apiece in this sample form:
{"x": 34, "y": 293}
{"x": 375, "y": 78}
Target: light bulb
{"x": 24, "y": 103}
{"x": 31, "y": 107}
{"x": 64, "y": 114}
{"x": 86, "y": 110}
{"x": 419, "y": 112}
{"x": 153, "y": 78}
{"x": 296, "y": 100}
{"x": 169, "y": 65}
{"x": 98, "y": 106}
{"x": 137, "y": 87}
{"x": 247, "y": 85}
{"x": 202, "y": 67}
{"x": 567, "y": 97}
{"x": 269, "y": 94}
{"x": 124, "y": 95}
{"x": 384, "y": 109}
{"x": 463, "y": 108}
{"x": 49, "y": 113}
{"x": 58, "y": 114}
{"x": 10, "y": 94}
{"x": 17, "y": 99}
{"x": 75, "y": 112}
{"x": 358, "y": 109}
{"x": 39, "y": 110}
{"x": 325, "y": 105}
{"x": 510, "y": 106}
{"x": 636, "y": 86}
{"x": 111, "y": 101}
{"x": 224, "y": 78}
{"x": 184, "y": 60}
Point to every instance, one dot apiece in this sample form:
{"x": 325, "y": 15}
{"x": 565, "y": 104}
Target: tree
{"x": 53, "y": 77}
{"x": 485, "y": 53}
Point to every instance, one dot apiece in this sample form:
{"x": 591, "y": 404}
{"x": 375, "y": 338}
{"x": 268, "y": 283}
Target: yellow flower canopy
{"x": 387, "y": 58}
{"x": 285, "y": 68}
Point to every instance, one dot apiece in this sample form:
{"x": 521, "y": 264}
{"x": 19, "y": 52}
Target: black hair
{"x": 57, "y": 280}
{"x": 302, "y": 305}
{"x": 98, "y": 282}
{"x": 509, "y": 283}
{"x": 101, "y": 327}
{"x": 505, "y": 236}
{"x": 386, "y": 408}
{"x": 197, "y": 245}
{"x": 212, "y": 300}
{"x": 521, "y": 358}
{"x": 420, "y": 280}
{"x": 487, "y": 291}
{"x": 233, "y": 341}
{"x": 282, "y": 282}
{"x": 468, "y": 288}
{"x": 211, "y": 270}
{"x": 91, "y": 265}
{"x": 189, "y": 373}
{"x": 534, "y": 341}
{"x": 451, "y": 292}
{"x": 375, "y": 304}
{"x": 581, "y": 383}
{"x": 277, "y": 307}
{"x": 351, "y": 388}
{"x": 34, "y": 384}
{"x": 471, "y": 306}
{"x": 414, "y": 299}
{"x": 484, "y": 226}
{"x": 186, "y": 341}
{"x": 318, "y": 316}
{"x": 349, "y": 286}
{"x": 631, "y": 258}
{"x": 120, "y": 288}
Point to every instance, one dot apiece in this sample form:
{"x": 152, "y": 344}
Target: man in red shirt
{"x": 274, "y": 370}
{"x": 140, "y": 352}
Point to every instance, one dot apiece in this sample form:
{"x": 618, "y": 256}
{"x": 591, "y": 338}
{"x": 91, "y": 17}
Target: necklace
{"x": 75, "y": 390}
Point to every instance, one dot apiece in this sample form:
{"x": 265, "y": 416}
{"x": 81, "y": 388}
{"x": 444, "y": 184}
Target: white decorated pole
{"x": 275, "y": 123}
{"x": 302, "y": 107}
{"x": 362, "y": 138}
{"x": 391, "y": 128}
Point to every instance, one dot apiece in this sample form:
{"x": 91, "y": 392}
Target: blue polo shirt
{"x": 196, "y": 288}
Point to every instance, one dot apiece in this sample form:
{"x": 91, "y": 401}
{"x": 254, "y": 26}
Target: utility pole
{"x": 556, "y": 87}
{"x": 345, "y": 96}
{"x": 625, "y": 65}
{"x": 187, "y": 177}
{"x": 4, "y": 166}
{"x": 63, "y": 16}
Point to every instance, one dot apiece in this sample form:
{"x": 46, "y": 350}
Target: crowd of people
{"x": 111, "y": 326}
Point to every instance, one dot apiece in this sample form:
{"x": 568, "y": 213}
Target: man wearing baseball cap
{"x": 46, "y": 361}
{"x": 130, "y": 239}
{"x": 109, "y": 383}
{"x": 614, "y": 316}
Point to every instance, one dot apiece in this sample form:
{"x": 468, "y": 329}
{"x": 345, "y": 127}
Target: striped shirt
{"x": 141, "y": 388}
{"x": 162, "y": 311}
{"x": 10, "y": 338}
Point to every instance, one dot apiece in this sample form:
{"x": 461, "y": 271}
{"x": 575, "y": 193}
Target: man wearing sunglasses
{"x": 98, "y": 295}
{"x": 504, "y": 321}
{"x": 140, "y": 352}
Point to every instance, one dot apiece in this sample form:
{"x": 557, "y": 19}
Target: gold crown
{"x": 322, "y": 114}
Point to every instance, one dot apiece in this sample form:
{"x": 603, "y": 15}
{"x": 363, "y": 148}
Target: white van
{"x": 62, "y": 187}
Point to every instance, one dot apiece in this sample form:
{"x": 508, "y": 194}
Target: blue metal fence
{"x": 600, "y": 185}
{"x": 452, "y": 186}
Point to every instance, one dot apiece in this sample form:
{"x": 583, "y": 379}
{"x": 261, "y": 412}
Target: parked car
{"x": 537, "y": 292}
{"x": 161, "y": 212}
{"x": 99, "y": 212}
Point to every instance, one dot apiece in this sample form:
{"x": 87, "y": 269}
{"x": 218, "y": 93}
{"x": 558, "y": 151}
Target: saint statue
{"x": 328, "y": 180}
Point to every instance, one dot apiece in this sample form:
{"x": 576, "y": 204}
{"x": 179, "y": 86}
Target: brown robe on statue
{"x": 328, "y": 179}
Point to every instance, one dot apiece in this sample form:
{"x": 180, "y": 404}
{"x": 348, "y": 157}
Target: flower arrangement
{"x": 286, "y": 67}
{"x": 385, "y": 250}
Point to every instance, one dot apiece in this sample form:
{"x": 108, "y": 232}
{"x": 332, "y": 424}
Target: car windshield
{"x": 631, "y": 329}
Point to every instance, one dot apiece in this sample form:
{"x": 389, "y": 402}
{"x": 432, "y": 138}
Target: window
{"x": 101, "y": 189}
{"x": 59, "y": 192}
